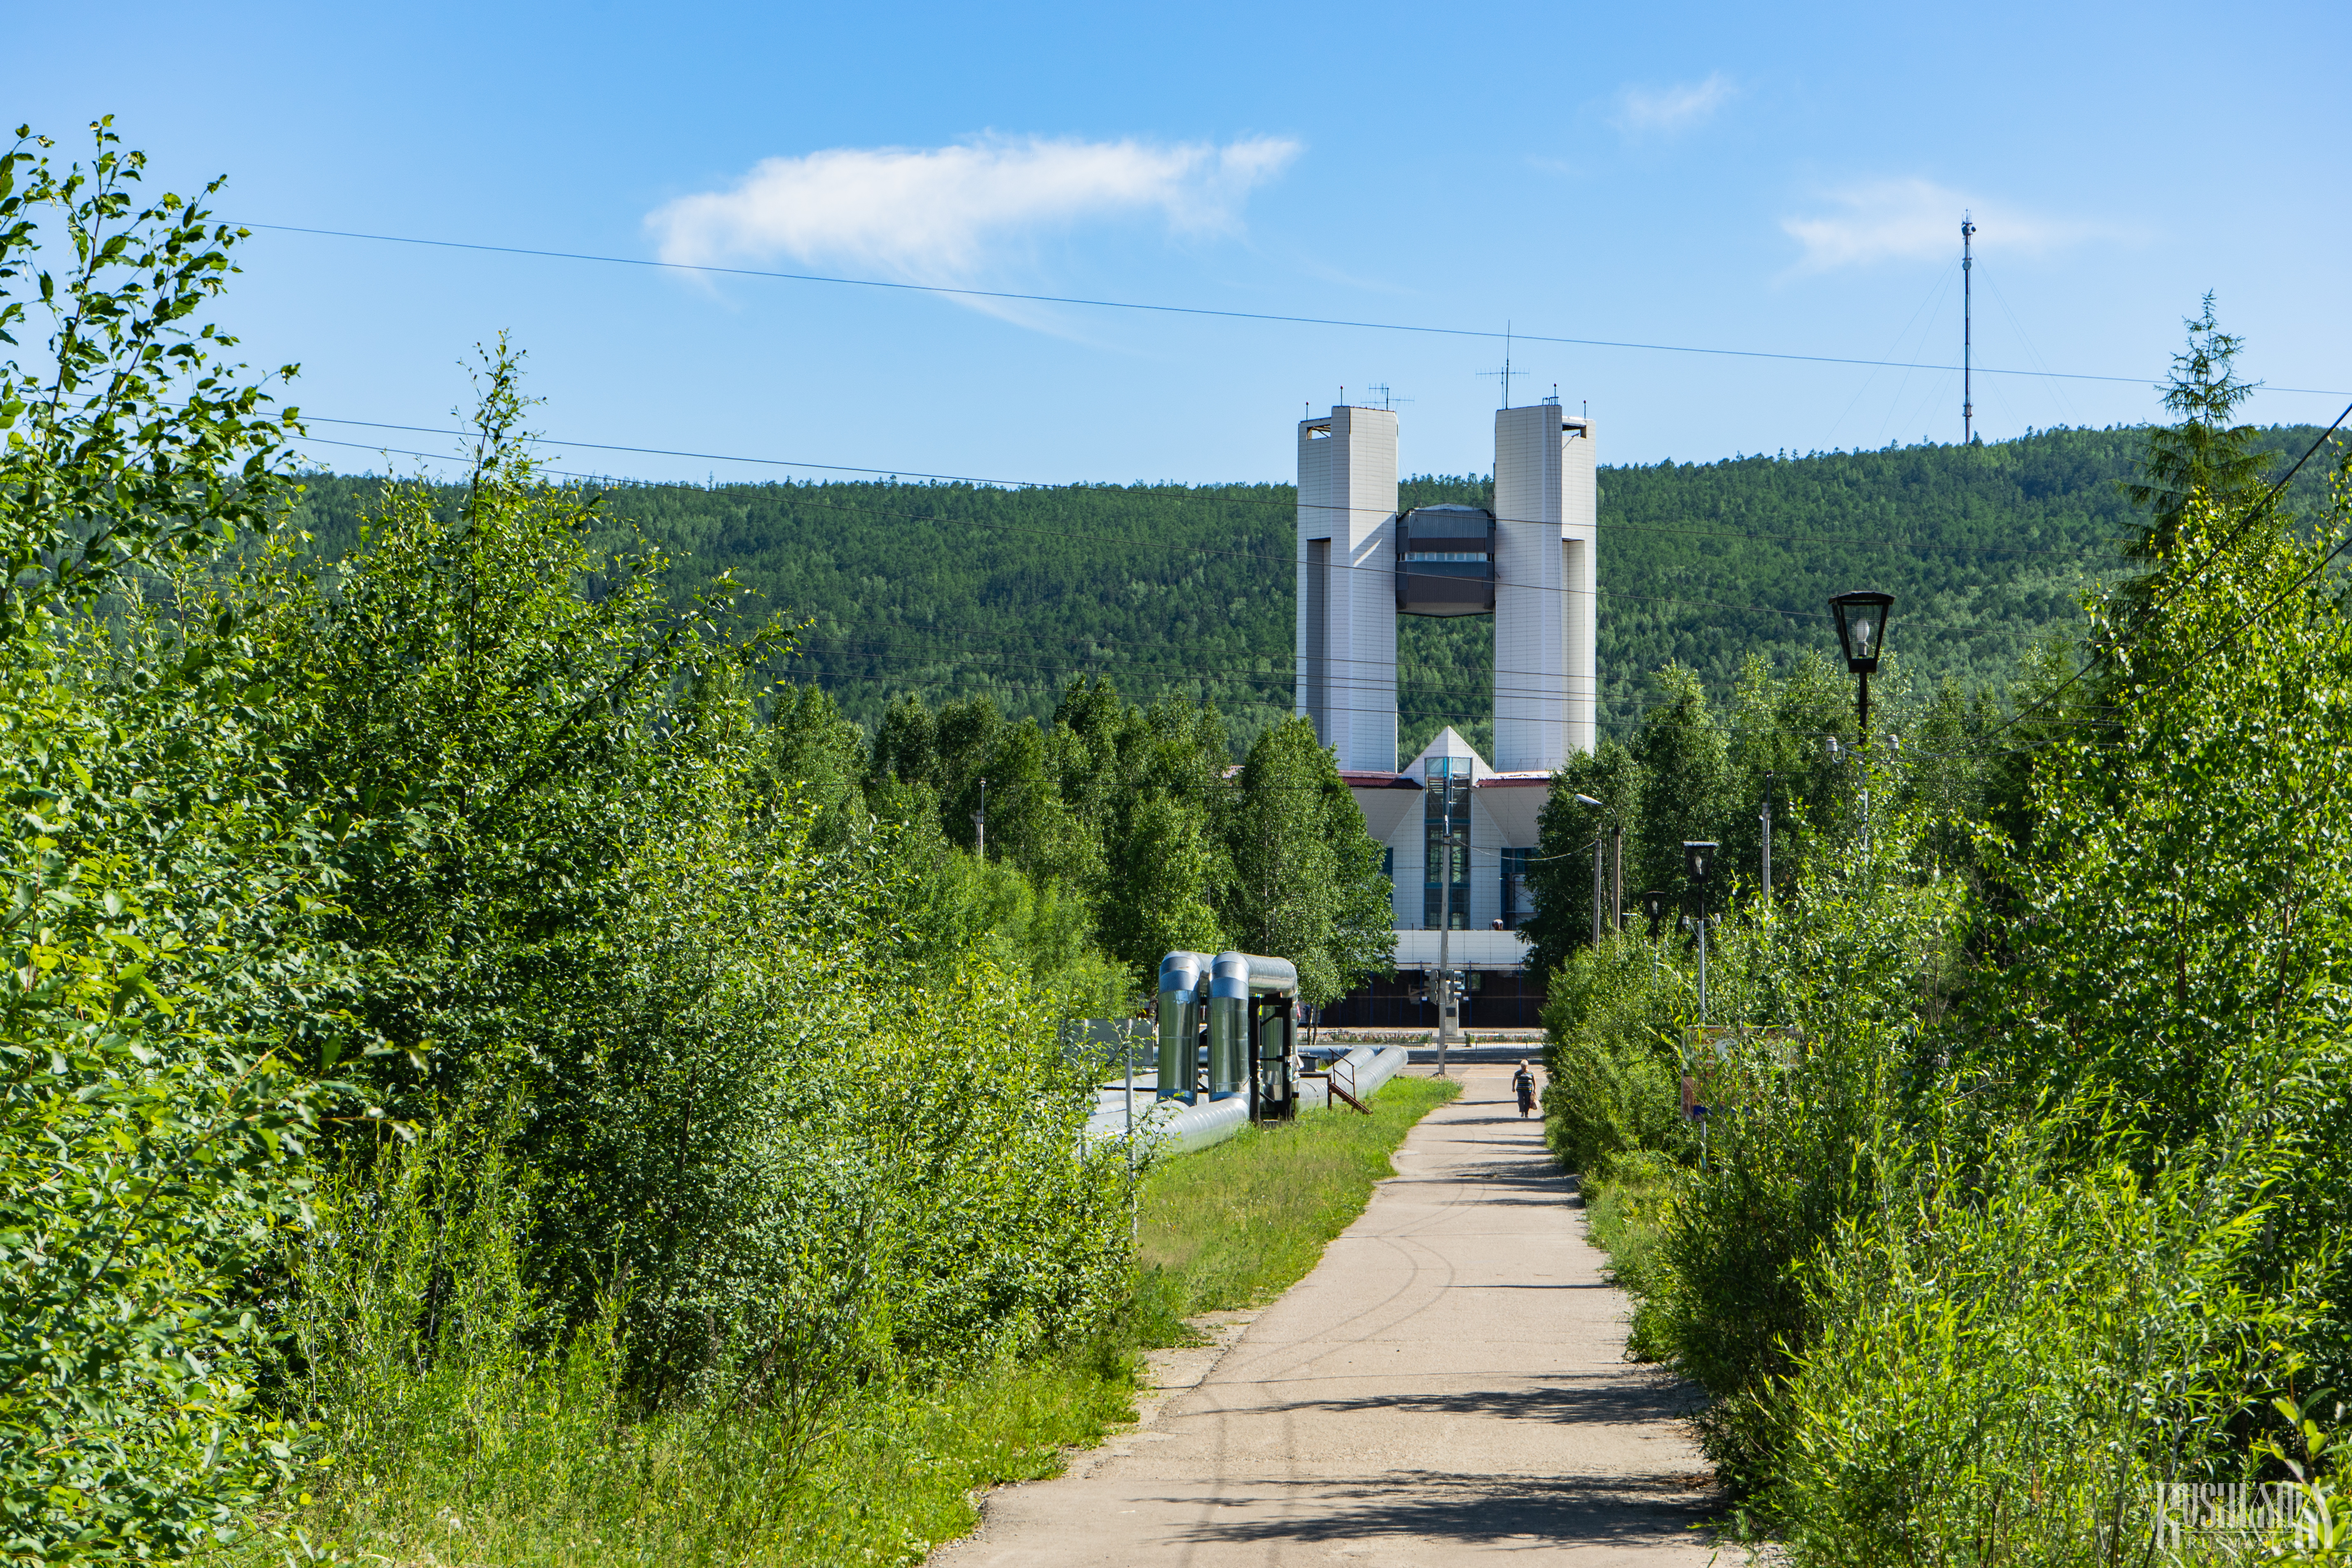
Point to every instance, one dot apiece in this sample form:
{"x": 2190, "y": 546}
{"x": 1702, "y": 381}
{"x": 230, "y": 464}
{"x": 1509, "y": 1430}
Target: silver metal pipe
{"x": 1181, "y": 977}
{"x": 1229, "y": 1000}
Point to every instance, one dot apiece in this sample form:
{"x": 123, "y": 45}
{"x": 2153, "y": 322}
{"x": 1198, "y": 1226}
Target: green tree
{"x": 1685, "y": 762}
{"x": 478, "y": 722}
{"x": 1306, "y": 877}
{"x": 131, "y": 442}
{"x": 2203, "y": 454}
{"x": 816, "y": 761}
{"x": 170, "y": 993}
{"x": 1791, "y": 736}
{"x": 1559, "y": 875}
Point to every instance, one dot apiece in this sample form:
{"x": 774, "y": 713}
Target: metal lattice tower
{"x": 1968, "y": 323}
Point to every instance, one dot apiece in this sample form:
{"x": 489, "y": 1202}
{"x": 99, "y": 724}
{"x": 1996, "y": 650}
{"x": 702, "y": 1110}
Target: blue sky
{"x": 1745, "y": 178}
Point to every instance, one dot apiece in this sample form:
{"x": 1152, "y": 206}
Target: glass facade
{"x": 1517, "y": 905}
{"x": 1446, "y": 562}
{"x": 1445, "y": 813}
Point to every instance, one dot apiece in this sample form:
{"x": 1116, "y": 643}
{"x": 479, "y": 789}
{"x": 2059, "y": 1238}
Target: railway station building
{"x": 1529, "y": 564}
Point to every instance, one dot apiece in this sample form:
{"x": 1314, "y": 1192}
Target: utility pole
{"x": 1968, "y": 332}
{"x": 1617, "y": 881}
{"x": 1444, "y": 944}
{"x": 980, "y": 819}
{"x": 1598, "y": 887}
{"x": 1702, "y": 960}
{"x": 1698, "y": 863}
{"x": 1768, "y": 844}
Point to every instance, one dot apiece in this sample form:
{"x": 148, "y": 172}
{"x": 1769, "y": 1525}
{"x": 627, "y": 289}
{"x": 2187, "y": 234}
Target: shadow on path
{"x": 1563, "y": 1511}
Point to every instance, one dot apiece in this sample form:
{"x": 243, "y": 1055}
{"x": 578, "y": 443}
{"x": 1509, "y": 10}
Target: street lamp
{"x": 1861, "y": 614}
{"x": 1698, "y": 864}
{"x": 1446, "y": 998}
{"x": 1654, "y": 904}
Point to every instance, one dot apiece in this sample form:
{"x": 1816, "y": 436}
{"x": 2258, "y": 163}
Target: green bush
{"x": 1613, "y": 1025}
{"x": 171, "y": 985}
{"x": 1628, "y": 1210}
{"x": 2012, "y": 1362}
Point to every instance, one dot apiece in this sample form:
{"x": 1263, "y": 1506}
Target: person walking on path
{"x": 1523, "y": 1084}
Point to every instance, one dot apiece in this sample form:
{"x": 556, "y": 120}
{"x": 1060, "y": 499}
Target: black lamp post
{"x": 1654, "y": 904}
{"x": 1862, "y": 617}
{"x": 1698, "y": 864}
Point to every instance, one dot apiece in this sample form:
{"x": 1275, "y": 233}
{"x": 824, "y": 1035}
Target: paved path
{"x": 1447, "y": 1386}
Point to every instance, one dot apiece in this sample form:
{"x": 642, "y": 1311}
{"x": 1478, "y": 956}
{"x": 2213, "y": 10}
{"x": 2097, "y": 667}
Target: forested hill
{"x": 950, "y": 590}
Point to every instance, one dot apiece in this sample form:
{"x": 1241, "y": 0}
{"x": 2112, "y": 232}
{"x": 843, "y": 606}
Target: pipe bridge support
{"x": 1229, "y": 1025}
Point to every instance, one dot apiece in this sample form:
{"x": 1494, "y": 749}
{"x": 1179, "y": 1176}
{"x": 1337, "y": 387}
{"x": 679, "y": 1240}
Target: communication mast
{"x": 1505, "y": 372}
{"x": 1967, "y": 343}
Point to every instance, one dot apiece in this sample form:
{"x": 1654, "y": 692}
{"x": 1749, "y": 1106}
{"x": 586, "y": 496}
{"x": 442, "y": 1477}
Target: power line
{"x": 1015, "y": 485}
{"x": 1150, "y": 308}
{"x": 1286, "y": 560}
{"x": 2185, "y": 583}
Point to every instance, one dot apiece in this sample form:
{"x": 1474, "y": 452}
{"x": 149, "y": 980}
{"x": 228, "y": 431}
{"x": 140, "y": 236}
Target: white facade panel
{"x": 1485, "y": 867}
{"x": 1502, "y": 950}
{"x": 1545, "y": 668}
{"x": 1347, "y": 667}
{"x": 1411, "y": 847}
{"x": 1580, "y": 532}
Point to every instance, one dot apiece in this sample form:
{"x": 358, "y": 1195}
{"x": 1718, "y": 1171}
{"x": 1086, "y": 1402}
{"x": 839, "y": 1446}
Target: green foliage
{"x": 463, "y": 1415}
{"x": 2013, "y": 1358}
{"x": 1627, "y": 1211}
{"x": 1559, "y": 879}
{"x": 1129, "y": 811}
{"x": 2178, "y": 940}
{"x": 1613, "y": 1025}
{"x": 737, "y": 1107}
{"x": 1041, "y": 932}
{"x": 131, "y": 442}
{"x": 1796, "y": 1123}
{"x": 169, "y": 978}
{"x": 1974, "y": 1282}
{"x": 1114, "y": 806}
{"x": 1695, "y": 771}
{"x": 2204, "y": 457}
{"x": 1306, "y": 883}
{"x": 947, "y": 591}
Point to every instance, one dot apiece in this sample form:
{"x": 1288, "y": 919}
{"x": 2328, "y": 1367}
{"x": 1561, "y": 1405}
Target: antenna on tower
{"x": 1968, "y": 334}
{"x": 1505, "y": 372}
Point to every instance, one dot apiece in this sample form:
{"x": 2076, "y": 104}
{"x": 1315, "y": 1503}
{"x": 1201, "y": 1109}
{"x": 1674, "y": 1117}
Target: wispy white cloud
{"x": 1890, "y": 220}
{"x": 1666, "y": 111}
{"x": 940, "y": 215}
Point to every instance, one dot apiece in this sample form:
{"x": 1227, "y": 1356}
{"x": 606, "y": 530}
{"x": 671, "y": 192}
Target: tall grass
{"x": 1238, "y": 1224}
{"x": 455, "y": 1419}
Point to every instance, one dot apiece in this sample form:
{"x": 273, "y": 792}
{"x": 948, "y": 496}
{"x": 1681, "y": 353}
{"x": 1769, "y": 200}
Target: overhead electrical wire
{"x": 1011, "y": 486}
{"x": 1147, "y": 307}
{"x": 1280, "y": 560}
{"x": 2183, "y": 585}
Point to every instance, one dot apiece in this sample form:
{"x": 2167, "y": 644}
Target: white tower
{"x": 1347, "y": 592}
{"x": 1546, "y": 584}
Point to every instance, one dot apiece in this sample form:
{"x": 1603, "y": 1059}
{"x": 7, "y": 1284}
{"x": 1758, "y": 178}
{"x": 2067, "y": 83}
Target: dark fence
{"x": 1494, "y": 1000}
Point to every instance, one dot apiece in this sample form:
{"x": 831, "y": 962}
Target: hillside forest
{"x": 943, "y": 592}
{"x": 497, "y": 1066}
